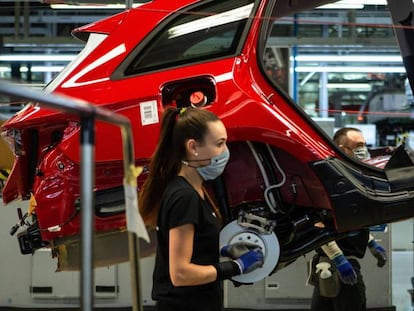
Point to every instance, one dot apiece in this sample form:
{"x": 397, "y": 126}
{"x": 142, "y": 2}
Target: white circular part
{"x": 269, "y": 243}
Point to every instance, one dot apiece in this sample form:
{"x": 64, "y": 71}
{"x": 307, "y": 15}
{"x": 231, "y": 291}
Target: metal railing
{"x": 88, "y": 113}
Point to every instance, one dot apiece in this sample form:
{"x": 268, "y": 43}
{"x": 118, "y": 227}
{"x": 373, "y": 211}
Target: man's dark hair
{"x": 342, "y": 133}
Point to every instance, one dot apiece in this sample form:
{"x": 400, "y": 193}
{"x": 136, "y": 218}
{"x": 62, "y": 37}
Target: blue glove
{"x": 346, "y": 271}
{"x": 250, "y": 261}
{"x": 237, "y": 249}
{"x": 378, "y": 252}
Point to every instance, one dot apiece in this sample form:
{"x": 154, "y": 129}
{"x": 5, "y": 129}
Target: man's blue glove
{"x": 237, "y": 249}
{"x": 378, "y": 252}
{"x": 346, "y": 271}
{"x": 250, "y": 261}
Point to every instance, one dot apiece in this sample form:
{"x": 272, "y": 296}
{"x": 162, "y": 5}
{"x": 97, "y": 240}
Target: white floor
{"x": 402, "y": 272}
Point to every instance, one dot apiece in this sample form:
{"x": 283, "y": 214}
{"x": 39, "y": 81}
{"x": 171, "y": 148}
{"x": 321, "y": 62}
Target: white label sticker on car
{"x": 149, "y": 112}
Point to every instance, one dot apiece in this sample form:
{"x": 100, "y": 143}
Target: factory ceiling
{"x": 33, "y": 24}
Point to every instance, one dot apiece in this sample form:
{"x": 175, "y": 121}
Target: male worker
{"x": 344, "y": 253}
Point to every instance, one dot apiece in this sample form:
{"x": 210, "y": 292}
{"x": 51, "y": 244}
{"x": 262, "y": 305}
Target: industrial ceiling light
{"x": 36, "y": 58}
{"x": 114, "y": 6}
{"x": 342, "y": 6}
{"x": 352, "y": 4}
{"x": 42, "y": 69}
{"x": 365, "y": 2}
{"x": 352, "y": 69}
{"x": 354, "y": 86}
{"x": 4, "y": 69}
{"x": 93, "y": 4}
{"x": 350, "y": 58}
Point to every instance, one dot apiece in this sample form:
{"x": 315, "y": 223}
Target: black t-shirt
{"x": 353, "y": 245}
{"x": 180, "y": 205}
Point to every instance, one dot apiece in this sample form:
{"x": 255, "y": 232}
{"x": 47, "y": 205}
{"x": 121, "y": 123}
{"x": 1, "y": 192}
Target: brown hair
{"x": 177, "y": 126}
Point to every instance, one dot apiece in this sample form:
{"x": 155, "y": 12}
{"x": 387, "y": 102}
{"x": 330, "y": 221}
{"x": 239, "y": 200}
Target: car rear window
{"x": 207, "y": 32}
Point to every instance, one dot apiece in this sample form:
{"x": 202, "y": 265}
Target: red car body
{"x": 142, "y": 60}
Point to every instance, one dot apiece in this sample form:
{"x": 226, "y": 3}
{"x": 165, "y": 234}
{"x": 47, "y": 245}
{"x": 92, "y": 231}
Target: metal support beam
{"x": 402, "y": 13}
{"x": 88, "y": 113}
{"x": 26, "y": 19}
{"x": 87, "y": 179}
{"x": 323, "y": 94}
{"x": 16, "y": 19}
{"x": 128, "y": 4}
{"x": 135, "y": 272}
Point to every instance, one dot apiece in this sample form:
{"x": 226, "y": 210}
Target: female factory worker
{"x": 192, "y": 148}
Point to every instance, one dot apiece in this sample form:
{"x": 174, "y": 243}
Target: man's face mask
{"x": 216, "y": 166}
{"x": 361, "y": 153}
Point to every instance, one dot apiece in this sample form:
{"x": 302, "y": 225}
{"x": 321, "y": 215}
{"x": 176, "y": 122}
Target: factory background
{"x": 361, "y": 82}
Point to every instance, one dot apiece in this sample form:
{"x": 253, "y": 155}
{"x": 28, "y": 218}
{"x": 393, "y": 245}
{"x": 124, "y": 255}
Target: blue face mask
{"x": 216, "y": 166}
